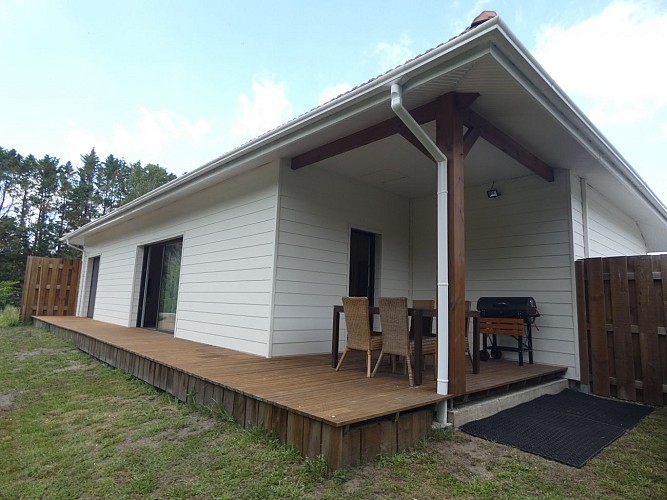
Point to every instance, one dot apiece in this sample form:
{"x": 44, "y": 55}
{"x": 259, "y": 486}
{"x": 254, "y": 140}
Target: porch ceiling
{"x": 394, "y": 165}
{"x": 509, "y": 102}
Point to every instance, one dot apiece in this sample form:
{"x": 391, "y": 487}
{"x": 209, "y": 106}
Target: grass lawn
{"x": 73, "y": 427}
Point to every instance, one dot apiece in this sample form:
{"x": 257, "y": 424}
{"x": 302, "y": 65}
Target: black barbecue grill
{"x": 509, "y": 307}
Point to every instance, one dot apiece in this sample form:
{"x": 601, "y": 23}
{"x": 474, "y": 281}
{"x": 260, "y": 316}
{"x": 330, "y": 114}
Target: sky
{"x": 179, "y": 83}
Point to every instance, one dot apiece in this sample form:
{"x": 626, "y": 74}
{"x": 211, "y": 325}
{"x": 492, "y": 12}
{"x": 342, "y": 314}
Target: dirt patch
{"x": 75, "y": 366}
{"x": 195, "y": 425}
{"x": 22, "y": 355}
{"x": 475, "y": 456}
{"x": 7, "y": 400}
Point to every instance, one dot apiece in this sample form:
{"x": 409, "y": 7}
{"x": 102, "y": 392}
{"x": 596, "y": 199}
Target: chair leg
{"x": 368, "y": 364}
{"x": 410, "y": 376}
{"x": 341, "y": 359}
{"x": 377, "y": 365}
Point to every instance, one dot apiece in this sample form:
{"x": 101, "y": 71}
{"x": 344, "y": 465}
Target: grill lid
{"x": 507, "y": 307}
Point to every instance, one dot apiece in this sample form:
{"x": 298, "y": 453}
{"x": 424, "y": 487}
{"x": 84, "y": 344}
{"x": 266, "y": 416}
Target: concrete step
{"x": 482, "y": 408}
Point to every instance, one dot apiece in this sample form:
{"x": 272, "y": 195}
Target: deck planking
{"x": 342, "y": 416}
{"x": 306, "y": 385}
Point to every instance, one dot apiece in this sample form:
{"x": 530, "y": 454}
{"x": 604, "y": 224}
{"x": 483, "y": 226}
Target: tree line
{"x": 41, "y": 199}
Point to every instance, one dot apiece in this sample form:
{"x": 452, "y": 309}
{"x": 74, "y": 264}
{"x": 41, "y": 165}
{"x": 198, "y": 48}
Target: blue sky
{"x": 179, "y": 83}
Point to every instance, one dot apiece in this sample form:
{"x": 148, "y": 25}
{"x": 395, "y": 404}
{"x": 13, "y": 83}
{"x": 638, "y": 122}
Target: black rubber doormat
{"x": 570, "y": 427}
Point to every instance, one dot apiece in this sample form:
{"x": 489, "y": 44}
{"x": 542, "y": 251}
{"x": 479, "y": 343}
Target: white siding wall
{"x": 225, "y": 289}
{"x": 424, "y": 248}
{"x": 516, "y": 245}
{"x": 317, "y": 211}
{"x": 610, "y": 231}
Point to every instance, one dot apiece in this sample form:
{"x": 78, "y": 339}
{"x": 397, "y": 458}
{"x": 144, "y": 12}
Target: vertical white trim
{"x": 573, "y": 275}
{"x": 283, "y": 164}
{"x": 584, "y": 215}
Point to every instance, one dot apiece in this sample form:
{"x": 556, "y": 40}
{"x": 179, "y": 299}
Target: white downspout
{"x": 443, "y": 269}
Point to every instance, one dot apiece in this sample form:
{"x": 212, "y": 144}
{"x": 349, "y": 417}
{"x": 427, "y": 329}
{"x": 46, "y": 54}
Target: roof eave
{"x": 563, "y": 109}
{"x": 285, "y": 133}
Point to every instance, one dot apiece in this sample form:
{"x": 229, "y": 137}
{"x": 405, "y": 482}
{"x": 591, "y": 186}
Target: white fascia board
{"x": 517, "y": 60}
{"x": 245, "y": 157}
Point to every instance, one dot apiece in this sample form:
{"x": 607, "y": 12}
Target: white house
{"x": 251, "y": 251}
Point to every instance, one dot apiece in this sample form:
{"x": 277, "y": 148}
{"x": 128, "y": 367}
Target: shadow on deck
{"x": 343, "y": 415}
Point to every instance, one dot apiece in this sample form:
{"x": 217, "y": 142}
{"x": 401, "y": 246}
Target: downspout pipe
{"x": 443, "y": 251}
{"x": 72, "y": 245}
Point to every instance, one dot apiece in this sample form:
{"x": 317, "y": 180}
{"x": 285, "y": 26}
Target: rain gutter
{"x": 443, "y": 251}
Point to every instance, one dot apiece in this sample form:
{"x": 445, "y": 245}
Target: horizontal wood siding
{"x": 424, "y": 255}
{"x": 611, "y": 232}
{"x": 227, "y": 263}
{"x": 519, "y": 245}
{"x": 317, "y": 210}
{"x": 516, "y": 245}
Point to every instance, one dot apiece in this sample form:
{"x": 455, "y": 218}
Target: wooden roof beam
{"x": 509, "y": 146}
{"x": 423, "y": 114}
{"x": 379, "y": 131}
{"x": 469, "y": 140}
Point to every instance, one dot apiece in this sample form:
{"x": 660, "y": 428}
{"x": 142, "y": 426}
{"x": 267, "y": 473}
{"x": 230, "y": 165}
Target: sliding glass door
{"x": 161, "y": 271}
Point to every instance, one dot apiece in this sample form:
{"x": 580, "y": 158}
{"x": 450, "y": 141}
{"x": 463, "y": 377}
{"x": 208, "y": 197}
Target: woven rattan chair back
{"x": 394, "y": 321}
{"x": 395, "y": 335}
{"x": 357, "y": 322}
{"x": 359, "y": 335}
{"x": 423, "y": 304}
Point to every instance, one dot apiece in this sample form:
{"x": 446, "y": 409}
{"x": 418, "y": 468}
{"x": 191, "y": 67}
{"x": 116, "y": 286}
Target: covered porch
{"x": 341, "y": 415}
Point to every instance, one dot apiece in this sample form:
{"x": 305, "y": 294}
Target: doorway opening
{"x": 362, "y": 265}
{"x": 94, "y": 266}
{"x": 159, "y": 285}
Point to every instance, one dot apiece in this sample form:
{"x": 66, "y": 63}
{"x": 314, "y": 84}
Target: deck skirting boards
{"x": 342, "y": 446}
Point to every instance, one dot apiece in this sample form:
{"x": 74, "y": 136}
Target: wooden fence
{"x": 622, "y": 306}
{"x": 50, "y": 287}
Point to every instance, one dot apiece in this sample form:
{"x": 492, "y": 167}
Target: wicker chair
{"x": 395, "y": 334}
{"x": 359, "y": 335}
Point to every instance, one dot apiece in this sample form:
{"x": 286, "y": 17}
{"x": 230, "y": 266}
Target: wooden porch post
{"x": 449, "y": 138}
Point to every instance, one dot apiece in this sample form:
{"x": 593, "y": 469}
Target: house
{"x": 357, "y": 197}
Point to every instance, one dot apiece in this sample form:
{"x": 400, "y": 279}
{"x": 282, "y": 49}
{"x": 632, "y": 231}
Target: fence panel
{"x": 50, "y": 287}
{"x": 622, "y": 306}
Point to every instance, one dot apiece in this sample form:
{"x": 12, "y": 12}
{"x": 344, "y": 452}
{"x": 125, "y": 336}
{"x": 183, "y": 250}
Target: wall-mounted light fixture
{"x": 493, "y": 192}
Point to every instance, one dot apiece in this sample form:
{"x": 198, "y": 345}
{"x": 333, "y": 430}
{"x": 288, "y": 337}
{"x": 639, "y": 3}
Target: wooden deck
{"x": 341, "y": 415}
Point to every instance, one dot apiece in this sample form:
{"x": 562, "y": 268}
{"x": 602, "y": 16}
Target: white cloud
{"x": 332, "y": 92}
{"x": 613, "y": 60}
{"x": 156, "y": 137}
{"x": 392, "y": 54}
{"x": 152, "y": 132}
{"x": 267, "y": 108}
{"x": 78, "y": 142}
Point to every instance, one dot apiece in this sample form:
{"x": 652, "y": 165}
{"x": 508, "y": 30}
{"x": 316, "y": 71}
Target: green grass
{"x": 72, "y": 427}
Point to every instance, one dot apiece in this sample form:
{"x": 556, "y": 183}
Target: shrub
{"x": 9, "y": 316}
{"x": 9, "y": 293}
